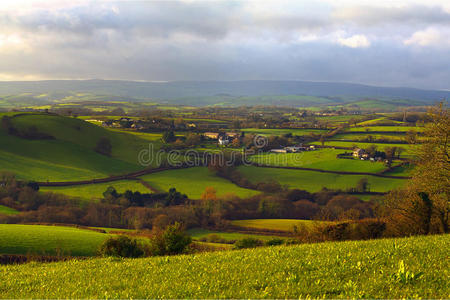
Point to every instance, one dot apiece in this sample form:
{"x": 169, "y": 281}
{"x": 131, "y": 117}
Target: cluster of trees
{"x": 130, "y": 198}
{"x": 422, "y": 206}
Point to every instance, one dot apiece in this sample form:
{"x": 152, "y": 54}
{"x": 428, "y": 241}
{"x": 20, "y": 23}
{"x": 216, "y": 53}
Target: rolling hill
{"x": 70, "y": 154}
{"x": 246, "y": 92}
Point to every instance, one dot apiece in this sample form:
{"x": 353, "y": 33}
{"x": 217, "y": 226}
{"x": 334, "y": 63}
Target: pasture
{"x": 71, "y": 155}
{"x": 414, "y": 267}
{"x": 95, "y": 191}
{"x": 49, "y": 240}
{"x": 313, "y": 181}
{"x": 283, "y": 131}
{"x": 193, "y": 181}
{"x": 199, "y": 233}
{"x": 386, "y": 128}
{"x": 408, "y": 148}
{"x": 275, "y": 224}
{"x": 8, "y": 210}
{"x": 324, "y": 159}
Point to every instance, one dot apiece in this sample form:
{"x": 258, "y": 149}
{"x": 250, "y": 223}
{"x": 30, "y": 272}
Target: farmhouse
{"x": 223, "y": 140}
{"x": 358, "y": 152}
{"x": 278, "y": 150}
{"x": 212, "y": 135}
{"x": 232, "y": 135}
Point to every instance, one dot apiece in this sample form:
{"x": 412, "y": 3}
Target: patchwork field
{"x": 95, "y": 191}
{"x": 48, "y": 240}
{"x": 416, "y": 267}
{"x": 324, "y": 159}
{"x": 193, "y": 181}
{"x": 314, "y": 181}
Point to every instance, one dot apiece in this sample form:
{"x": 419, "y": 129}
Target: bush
{"x": 121, "y": 246}
{"x": 173, "y": 240}
{"x": 248, "y": 243}
{"x": 275, "y": 242}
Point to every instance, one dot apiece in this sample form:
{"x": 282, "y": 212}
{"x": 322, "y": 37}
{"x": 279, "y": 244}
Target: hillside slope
{"x": 416, "y": 267}
{"x": 70, "y": 155}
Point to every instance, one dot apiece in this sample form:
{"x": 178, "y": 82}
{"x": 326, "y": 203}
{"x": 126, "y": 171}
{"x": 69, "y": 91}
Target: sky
{"x": 387, "y": 43}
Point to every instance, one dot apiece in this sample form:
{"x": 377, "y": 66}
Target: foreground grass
{"x": 364, "y": 269}
{"x": 49, "y": 240}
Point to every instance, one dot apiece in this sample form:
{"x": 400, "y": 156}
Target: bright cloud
{"x": 429, "y": 37}
{"x": 355, "y": 41}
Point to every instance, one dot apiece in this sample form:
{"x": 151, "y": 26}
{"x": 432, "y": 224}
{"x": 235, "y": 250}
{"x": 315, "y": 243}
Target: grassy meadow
{"x": 415, "y": 267}
{"x": 274, "y": 224}
{"x": 408, "y": 148}
{"x": 71, "y": 155}
{"x": 193, "y": 181}
{"x": 7, "y": 210}
{"x": 283, "y": 131}
{"x": 48, "y": 240}
{"x": 369, "y": 129}
{"x": 324, "y": 159}
{"x": 313, "y": 181}
{"x": 95, "y": 191}
{"x": 199, "y": 233}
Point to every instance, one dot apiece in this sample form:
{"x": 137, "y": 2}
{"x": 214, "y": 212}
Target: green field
{"x": 324, "y": 159}
{"x": 313, "y": 181}
{"x": 198, "y": 233}
{"x": 48, "y": 240}
{"x": 408, "y": 148}
{"x": 8, "y": 210}
{"x": 386, "y": 128}
{"x": 95, "y": 191}
{"x": 415, "y": 267}
{"x": 71, "y": 155}
{"x": 193, "y": 181}
{"x": 283, "y": 131}
{"x": 394, "y": 136}
{"x": 274, "y": 224}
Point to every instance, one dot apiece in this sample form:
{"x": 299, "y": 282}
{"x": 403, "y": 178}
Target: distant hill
{"x": 186, "y": 92}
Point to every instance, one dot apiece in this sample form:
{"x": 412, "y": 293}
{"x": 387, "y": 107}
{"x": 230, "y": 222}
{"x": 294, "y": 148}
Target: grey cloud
{"x": 144, "y": 41}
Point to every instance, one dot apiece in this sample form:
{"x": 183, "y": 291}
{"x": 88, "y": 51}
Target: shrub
{"x": 275, "y": 242}
{"x": 121, "y": 246}
{"x": 173, "y": 240}
{"x": 248, "y": 243}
